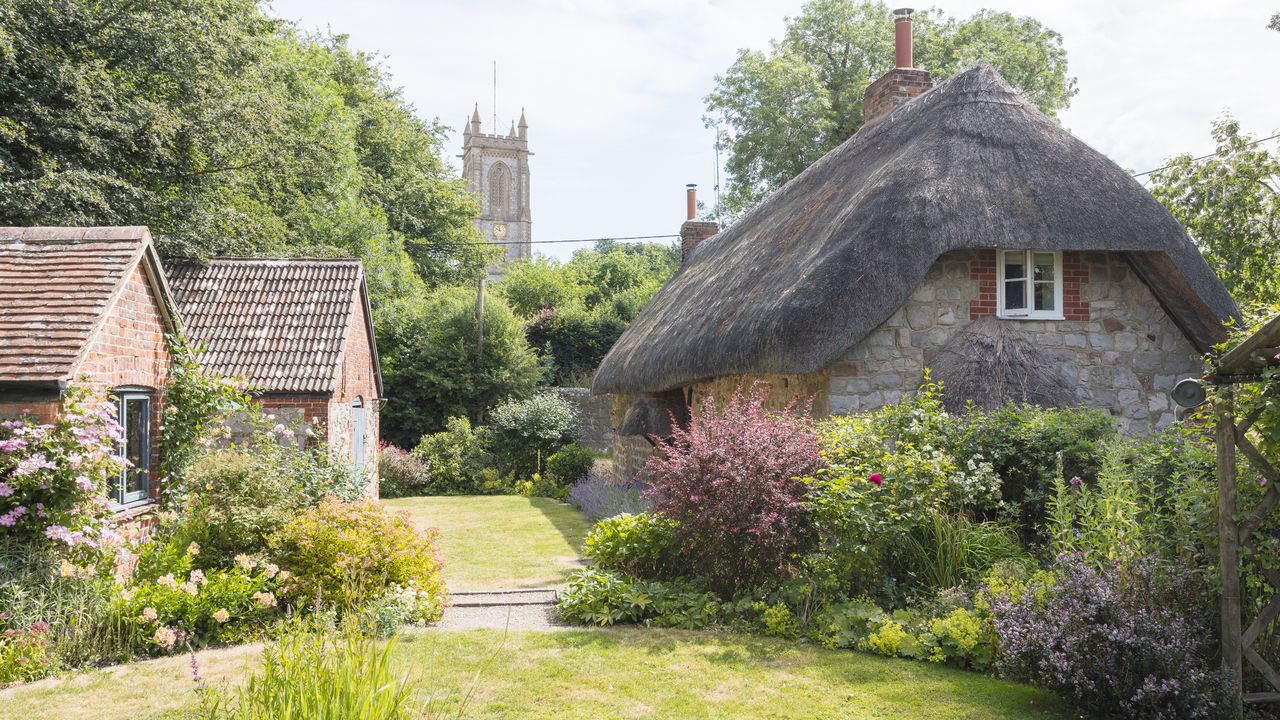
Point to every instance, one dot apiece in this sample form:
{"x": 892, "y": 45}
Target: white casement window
{"x": 133, "y": 412}
{"x": 1029, "y": 284}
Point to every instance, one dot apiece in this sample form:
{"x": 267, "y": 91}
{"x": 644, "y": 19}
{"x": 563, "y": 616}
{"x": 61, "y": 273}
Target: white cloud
{"x": 613, "y": 90}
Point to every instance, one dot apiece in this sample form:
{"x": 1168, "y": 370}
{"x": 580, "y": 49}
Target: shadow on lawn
{"x": 565, "y": 518}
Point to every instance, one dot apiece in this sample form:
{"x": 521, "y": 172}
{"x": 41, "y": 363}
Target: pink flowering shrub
{"x": 729, "y": 483}
{"x": 170, "y": 603}
{"x": 25, "y": 653}
{"x": 347, "y": 554}
{"x": 54, "y": 477}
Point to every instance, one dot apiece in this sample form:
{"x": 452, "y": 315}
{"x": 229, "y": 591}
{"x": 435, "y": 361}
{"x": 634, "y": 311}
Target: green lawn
{"x": 589, "y": 674}
{"x": 501, "y": 541}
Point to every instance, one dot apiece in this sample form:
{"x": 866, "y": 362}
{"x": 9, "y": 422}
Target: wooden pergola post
{"x": 1248, "y": 362}
{"x": 1228, "y": 549}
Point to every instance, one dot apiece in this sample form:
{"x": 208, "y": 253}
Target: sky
{"x": 613, "y": 90}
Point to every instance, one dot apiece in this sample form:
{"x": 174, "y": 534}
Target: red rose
{"x": 875, "y": 478}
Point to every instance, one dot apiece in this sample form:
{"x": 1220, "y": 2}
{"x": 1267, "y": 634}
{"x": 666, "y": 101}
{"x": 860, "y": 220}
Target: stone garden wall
{"x": 595, "y": 417}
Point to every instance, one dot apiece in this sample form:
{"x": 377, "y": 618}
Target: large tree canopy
{"x": 781, "y": 110}
{"x": 1230, "y": 203}
{"x": 575, "y": 311}
{"x": 225, "y": 131}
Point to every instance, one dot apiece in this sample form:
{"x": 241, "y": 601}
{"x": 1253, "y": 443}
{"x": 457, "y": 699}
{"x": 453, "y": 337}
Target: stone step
{"x": 499, "y": 598}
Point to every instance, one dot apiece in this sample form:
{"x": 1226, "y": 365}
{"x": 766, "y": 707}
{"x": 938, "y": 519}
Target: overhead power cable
{"x": 553, "y": 242}
{"x": 1205, "y": 157}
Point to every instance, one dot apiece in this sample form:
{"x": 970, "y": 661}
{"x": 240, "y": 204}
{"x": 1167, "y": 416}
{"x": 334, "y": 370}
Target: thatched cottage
{"x": 959, "y": 230}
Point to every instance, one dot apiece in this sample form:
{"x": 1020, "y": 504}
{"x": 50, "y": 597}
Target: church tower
{"x": 497, "y": 171}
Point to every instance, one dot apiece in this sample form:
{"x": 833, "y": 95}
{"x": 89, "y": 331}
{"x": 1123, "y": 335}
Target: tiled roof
{"x": 55, "y": 285}
{"x": 280, "y": 324}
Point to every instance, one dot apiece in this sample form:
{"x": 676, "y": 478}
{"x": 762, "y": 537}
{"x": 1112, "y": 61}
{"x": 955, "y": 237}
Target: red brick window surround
{"x": 982, "y": 270}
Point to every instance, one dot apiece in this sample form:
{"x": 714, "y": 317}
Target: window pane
{"x": 1045, "y": 296}
{"x": 1015, "y": 265}
{"x": 137, "y": 446}
{"x": 1015, "y": 294}
{"x": 1044, "y": 266}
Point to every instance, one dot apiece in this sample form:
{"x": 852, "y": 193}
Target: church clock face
{"x": 499, "y": 230}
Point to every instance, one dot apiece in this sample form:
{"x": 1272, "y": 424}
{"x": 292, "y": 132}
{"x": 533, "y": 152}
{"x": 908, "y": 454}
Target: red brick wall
{"x": 982, "y": 269}
{"x": 44, "y": 409}
{"x": 1074, "y": 275}
{"x": 357, "y": 378}
{"x": 129, "y": 349}
{"x": 314, "y": 409}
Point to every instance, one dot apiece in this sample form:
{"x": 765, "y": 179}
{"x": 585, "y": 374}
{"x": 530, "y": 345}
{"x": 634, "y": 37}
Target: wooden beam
{"x": 1262, "y": 667}
{"x": 1238, "y": 358}
{"x": 1259, "y": 698}
{"x": 1228, "y": 557}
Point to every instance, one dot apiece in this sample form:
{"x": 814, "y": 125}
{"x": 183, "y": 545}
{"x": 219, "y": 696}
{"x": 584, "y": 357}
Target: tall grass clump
{"x": 312, "y": 674}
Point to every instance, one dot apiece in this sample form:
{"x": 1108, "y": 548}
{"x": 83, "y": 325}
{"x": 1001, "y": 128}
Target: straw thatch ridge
{"x": 833, "y": 253}
{"x": 990, "y": 363}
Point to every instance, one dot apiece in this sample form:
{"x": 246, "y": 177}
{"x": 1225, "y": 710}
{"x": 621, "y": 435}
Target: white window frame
{"x": 1029, "y": 312}
{"x": 121, "y": 499}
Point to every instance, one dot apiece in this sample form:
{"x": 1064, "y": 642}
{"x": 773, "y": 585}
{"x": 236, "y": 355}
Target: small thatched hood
{"x": 834, "y": 252}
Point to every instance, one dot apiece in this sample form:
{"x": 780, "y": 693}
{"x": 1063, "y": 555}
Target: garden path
{"x": 503, "y": 556}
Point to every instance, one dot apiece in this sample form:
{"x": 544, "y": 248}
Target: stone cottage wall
{"x": 595, "y": 417}
{"x": 1117, "y": 347}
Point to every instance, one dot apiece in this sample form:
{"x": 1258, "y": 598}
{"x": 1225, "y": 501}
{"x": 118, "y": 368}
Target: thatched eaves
{"x": 990, "y": 363}
{"x": 834, "y": 252}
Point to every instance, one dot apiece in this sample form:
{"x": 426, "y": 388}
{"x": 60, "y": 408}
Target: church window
{"x": 500, "y": 192}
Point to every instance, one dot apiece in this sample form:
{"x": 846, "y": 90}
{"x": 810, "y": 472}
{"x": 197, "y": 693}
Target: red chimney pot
{"x": 691, "y": 199}
{"x": 902, "y": 37}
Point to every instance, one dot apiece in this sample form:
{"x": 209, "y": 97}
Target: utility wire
{"x": 552, "y": 242}
{"x": 1204, "y": 157}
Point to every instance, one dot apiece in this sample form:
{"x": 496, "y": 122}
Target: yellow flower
{"x": 245, "y": 562}
{"x": 193, "y": 548}
{"x": 66, "y": 569}
{"x": 165, "y": 636}
{"x": 221, "y": 615}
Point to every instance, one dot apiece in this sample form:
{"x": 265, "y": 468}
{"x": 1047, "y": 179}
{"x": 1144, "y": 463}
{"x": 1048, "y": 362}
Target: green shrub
{"x": 889, "y": 475}
{"x": 1022, "y": 443}
{"x": 524, "y": 433}
{"x": 541, "y": 485}
{"x": 401, "y": 474}
{"x": 314, "y": 674}
{"x": 401, "y": 606}
{"x": 601, "y": 597}
{"x": 644, "y": 545}
{"x": 454, "y": 459}
{"x": 570, "y": 464}
{"x": 234, "y": 502}
{"x": 951, "y": 550}
{"x": 348, "y": 554}
{"x": 429, "y": 355}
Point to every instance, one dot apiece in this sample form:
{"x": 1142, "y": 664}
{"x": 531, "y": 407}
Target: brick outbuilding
{"x": 300, "y": 331}
{"x": 87, "y": 305}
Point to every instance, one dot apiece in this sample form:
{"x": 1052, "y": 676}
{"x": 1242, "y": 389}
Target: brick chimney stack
{"x": 693, "y": 231}
{"x": 900, "y": 84}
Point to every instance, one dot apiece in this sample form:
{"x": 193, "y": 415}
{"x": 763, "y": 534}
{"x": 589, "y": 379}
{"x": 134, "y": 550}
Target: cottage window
{"x": 133, "y": 411}
{"x": 1029, "y": 284}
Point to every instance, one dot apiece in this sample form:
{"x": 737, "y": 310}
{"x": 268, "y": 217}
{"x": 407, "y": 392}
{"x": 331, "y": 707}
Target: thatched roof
{"x": 990, "y": 363}
{"x": 834, "y": 252}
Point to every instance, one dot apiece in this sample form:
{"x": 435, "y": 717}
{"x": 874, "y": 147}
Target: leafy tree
{"x": 1230, "y": 204}
{"x": 430, "y": 356}
{"x": 575, "y": 311}
{"x": 783, "y": 109}
{"x": 226, "y": 132}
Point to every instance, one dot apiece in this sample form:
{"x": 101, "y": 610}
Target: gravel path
{"x": 527, "y": 609}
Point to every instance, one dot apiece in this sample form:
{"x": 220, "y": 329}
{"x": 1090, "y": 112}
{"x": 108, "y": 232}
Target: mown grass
{"x": 589, "y": 674}
{"x": 500, "y": 541}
